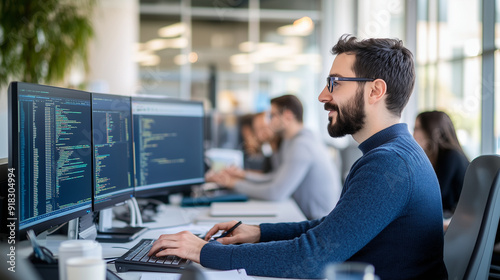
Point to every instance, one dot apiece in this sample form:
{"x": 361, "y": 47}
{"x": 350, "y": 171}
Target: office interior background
{"x": 236, "y": 55}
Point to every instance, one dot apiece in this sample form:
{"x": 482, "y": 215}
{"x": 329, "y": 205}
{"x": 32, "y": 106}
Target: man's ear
{"x": 378, "y": 88}
{"x": 287, "y": 114}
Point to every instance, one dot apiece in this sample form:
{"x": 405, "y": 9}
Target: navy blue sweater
{"x": 389, "y": 215}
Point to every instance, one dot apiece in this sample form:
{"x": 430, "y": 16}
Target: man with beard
{"x": 389, "y": 213}
{"x": 303, "y": 169}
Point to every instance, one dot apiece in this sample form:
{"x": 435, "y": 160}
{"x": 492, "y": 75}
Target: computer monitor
{"x": 168, "y": 144}
{"x": 4, "y": 195}
{"x": 113, "y": 150}
{"x": 50, "y": 153}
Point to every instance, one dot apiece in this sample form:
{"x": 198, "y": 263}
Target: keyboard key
{"x": 176, "y": 260}
{"x": 141, "y": 254}
{"x": 129, "y": 257}
{"x": 169, "y": 259}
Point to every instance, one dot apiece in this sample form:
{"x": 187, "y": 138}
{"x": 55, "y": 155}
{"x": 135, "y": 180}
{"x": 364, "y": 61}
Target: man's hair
{"x": 385, "y": 59}
{"x": 289, "y": 102}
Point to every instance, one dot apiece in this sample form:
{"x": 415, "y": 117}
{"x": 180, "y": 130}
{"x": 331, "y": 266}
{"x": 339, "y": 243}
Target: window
{"x": 449, "y": 65}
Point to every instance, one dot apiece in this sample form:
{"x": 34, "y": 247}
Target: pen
{"x": 229, "y": 231}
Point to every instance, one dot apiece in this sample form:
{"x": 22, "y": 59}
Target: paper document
{"x": 243, "y": 209}
{"x": 222, "y": 158}
{"x": 239, "y": 274}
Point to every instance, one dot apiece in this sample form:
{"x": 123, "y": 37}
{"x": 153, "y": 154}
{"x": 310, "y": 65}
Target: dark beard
{"x": 351, "y": 119}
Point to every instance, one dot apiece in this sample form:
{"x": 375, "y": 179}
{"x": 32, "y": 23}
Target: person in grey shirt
{"x": 305, "y": 170}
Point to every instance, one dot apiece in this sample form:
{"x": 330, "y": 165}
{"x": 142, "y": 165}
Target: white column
{"x": 186, "y": 67}
{"x": 254, "y": 38}
{"x": 337, "y": 18}
{"x": 3, "y": 123}
{"x": 111, "y": 57}
{"x": 411, "y": 110}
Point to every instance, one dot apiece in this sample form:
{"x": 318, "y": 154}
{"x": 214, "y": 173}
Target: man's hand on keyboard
{"x": 242, "y": 234}
{"x": 183, "y": 244}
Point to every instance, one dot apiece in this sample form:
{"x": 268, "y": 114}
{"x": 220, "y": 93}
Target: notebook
{"x": 243, "y": 209}
{"x": 222, "y": 158}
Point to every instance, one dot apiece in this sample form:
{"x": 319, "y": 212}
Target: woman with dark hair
{"x": 435, "y": 133}
{"x": 259, "y": 143}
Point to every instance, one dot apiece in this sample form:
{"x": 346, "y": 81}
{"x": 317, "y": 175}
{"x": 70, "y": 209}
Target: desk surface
{"x": 287, "y": 211}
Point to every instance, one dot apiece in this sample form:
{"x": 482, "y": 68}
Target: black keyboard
{"x": 137, "y": 259}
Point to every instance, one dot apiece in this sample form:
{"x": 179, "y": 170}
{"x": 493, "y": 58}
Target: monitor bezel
{"x": 177, "y": 188}
{"x": 13, "y": 152}
{"x": 122, "y": 197}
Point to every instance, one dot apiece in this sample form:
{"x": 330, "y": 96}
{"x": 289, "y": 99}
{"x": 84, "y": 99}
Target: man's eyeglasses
{"x": 331, "y": 80}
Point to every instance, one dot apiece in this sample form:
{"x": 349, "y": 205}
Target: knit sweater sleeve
{"x": 285, "y": 231}
{"x": 373, "y": 199}
{"x": 285, "y": 180}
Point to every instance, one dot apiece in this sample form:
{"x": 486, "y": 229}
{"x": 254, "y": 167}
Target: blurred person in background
{"x": 258, "y": 143}
{"x": 303, "y": 171}
{"x": 269, "y": 141}
{"x": 435, "y": 133}
{"x": 253, "y": 159}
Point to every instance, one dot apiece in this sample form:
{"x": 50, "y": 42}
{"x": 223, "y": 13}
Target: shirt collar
{"x": 383, "y": 136}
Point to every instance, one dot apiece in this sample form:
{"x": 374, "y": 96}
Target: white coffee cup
{"x": 85, "y": 268}
{"x": 77, "y": 248}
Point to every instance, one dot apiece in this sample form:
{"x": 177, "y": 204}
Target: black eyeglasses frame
{"x": 331, "y": 79}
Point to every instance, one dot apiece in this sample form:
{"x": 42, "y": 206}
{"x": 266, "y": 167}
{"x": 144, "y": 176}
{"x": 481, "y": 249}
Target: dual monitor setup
{"x": 74, "y": 152}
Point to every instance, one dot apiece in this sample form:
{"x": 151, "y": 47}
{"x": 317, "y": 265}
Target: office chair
{"x": 470, "y": 238}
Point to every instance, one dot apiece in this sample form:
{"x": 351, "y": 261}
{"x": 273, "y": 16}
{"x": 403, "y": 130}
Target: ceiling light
{"x": 304, "y": 23}
{"x": 193, "y": 57}
{"x": 266, "y": 45}
{"x": 285, "y": 66}
{"x": 301, "y": 27}
{"x": 247, "y": 46}
{"x": 172, "y": 30}
{"x": 142, "y": 55}
{"x": 239, "y": 59}
{"x": 181, "y": 59}
{"x": 247, "y": 68}
{"x": 259, "y": 57}
{"x": 157, "y": 44}
{"x": 151, "y": 60}
{"x": 179, "y": 43}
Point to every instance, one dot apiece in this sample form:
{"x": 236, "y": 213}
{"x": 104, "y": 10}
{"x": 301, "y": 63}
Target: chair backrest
{"x": 469, "y": 240}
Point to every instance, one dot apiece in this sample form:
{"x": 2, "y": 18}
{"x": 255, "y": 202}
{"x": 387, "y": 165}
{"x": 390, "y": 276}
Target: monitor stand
{"x": 107, "y": 233}
{"x": 164, "y": 215}
{"x": 82, "y": 228}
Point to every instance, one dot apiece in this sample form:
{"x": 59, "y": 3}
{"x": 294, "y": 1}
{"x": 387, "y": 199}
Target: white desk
{"x": 287, "y": 211}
